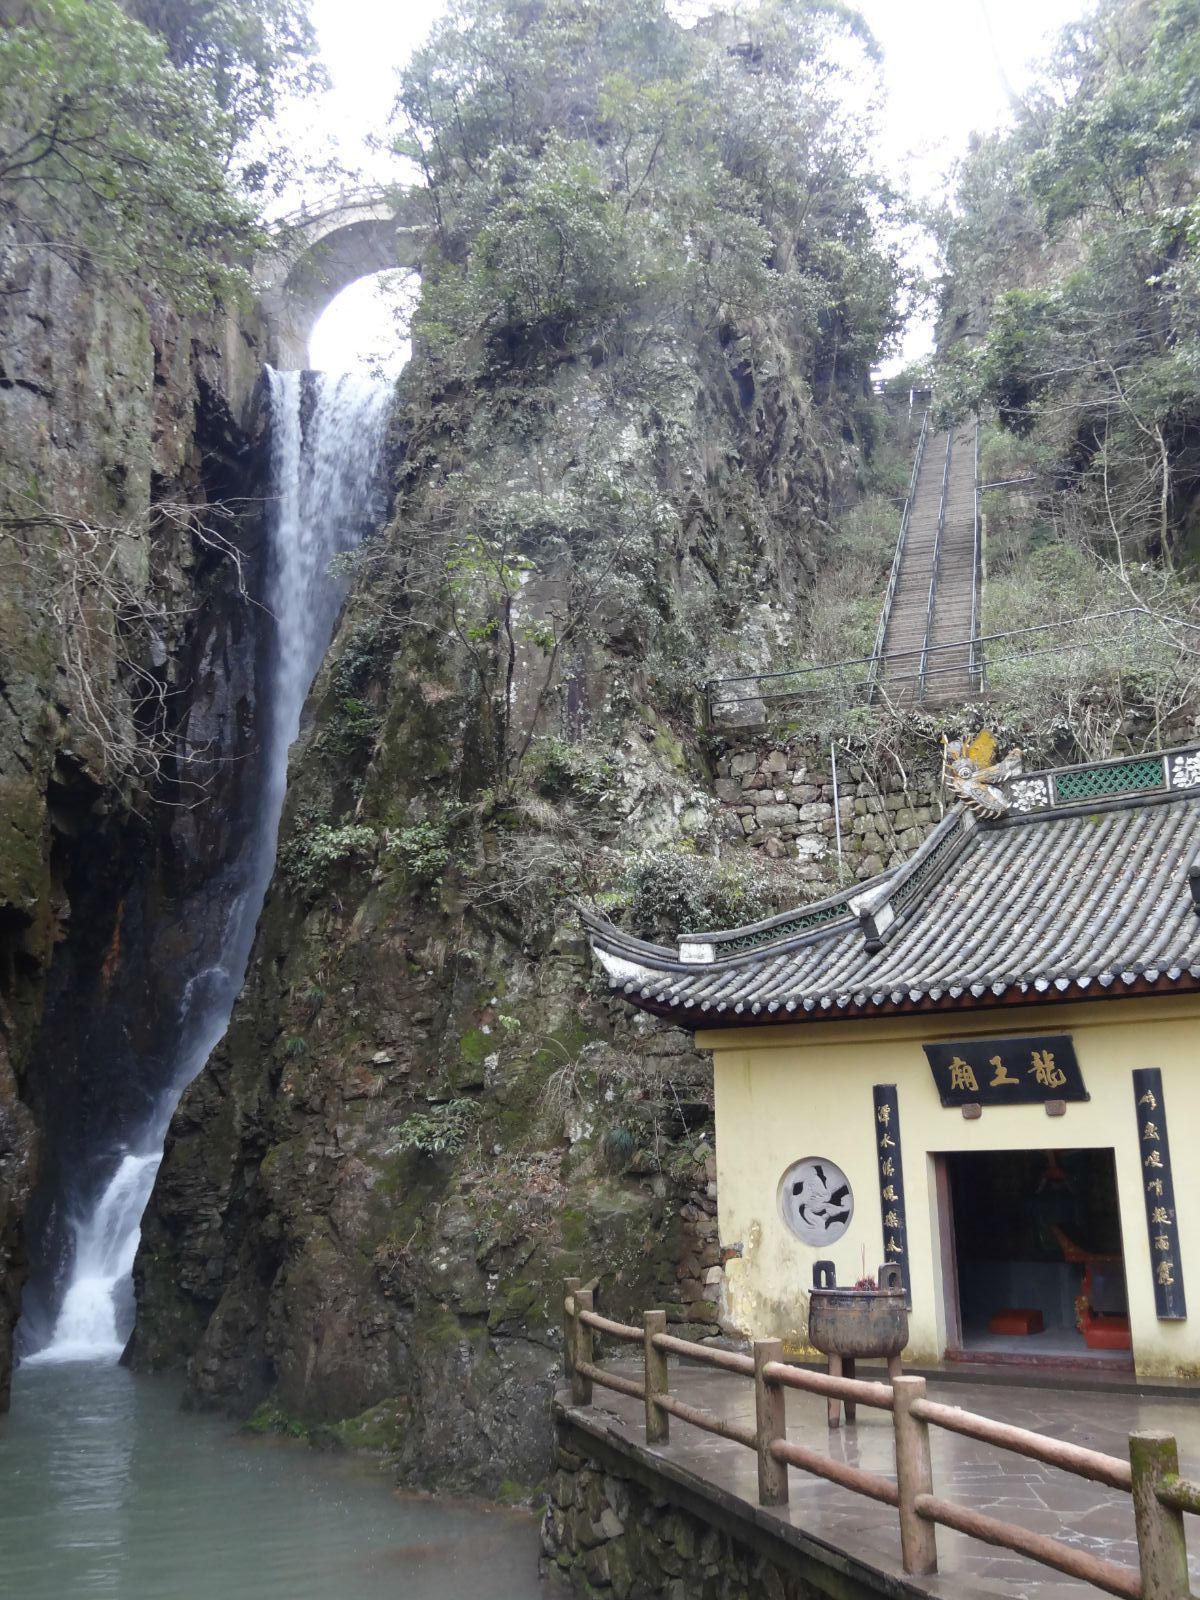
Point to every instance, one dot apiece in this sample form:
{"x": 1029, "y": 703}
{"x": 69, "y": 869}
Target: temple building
{"x": 982, "y": 1065}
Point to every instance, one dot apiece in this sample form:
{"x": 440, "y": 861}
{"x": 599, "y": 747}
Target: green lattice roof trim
{"x": 1101, "y": 782}
{"x": 1105, "y": 780}
{"x": 788, "y": 929}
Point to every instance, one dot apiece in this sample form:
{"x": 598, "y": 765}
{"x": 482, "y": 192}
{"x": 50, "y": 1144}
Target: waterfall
{"x": 326, "y": 434}
{"x": 324, "y": 467}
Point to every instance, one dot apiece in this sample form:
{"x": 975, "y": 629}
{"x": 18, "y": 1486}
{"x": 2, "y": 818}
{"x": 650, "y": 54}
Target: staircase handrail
{"x": 937, "y": 555}
{"x": 976, "y": 667}
{"x": 714, "y": 686}
{"x": 894, "y": 576}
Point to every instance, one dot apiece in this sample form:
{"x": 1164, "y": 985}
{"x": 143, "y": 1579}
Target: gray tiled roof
{"x": 1049, "y": 905}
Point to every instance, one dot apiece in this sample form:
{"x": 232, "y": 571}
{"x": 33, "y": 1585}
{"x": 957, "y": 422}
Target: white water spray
{"x": 99, "y": 1298}
{"x": 326, "y": 435}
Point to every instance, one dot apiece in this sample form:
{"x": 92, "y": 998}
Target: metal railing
{"x": 841, "y": 684}
{"x": 975, "y": 662}
{"x": 885, "y": 614}
{"x": 1151, "y": 1474}
{"x": 931, "y": 606}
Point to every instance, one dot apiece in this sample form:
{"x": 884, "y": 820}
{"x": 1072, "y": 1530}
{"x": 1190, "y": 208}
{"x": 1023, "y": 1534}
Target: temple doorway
{"x": 1032, "y": 1257}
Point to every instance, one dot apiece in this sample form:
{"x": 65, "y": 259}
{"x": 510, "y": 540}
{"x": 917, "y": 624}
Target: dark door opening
{"x": 1036, "y": 1242}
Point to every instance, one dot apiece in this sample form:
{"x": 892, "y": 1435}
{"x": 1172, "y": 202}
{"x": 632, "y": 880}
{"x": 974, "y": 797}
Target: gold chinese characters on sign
{"x": 886, "y": 1108}
{"x": 1162, "y": 1221}
{"x": 994, "y": 1072}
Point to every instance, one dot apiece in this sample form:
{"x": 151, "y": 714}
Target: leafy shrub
{"x": 558, "y": 769}
{"x": 270, "y": 1418}
{"x": 360, "y": 658}
{"x": 670, "y": 891}
{"x": 441, "y": 1131}
{"x": 1058, "y": 581}
{"x": 353, "y": 728}
{"x": 617, "y": 1147}
{"x": 422, "y": 849}
{"x": 310, "y": 855}
{"x": 841, "y": 610}
{"x": 1003, "y": 455}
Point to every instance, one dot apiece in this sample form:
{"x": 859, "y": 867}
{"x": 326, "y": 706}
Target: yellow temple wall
{"x": 786, "y": 1092}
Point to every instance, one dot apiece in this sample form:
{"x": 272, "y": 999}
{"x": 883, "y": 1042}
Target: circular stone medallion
{"x": 815, "y": 1200}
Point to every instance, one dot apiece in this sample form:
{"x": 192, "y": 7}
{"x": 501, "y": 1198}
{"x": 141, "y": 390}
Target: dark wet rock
{"x": 110, "y": 404}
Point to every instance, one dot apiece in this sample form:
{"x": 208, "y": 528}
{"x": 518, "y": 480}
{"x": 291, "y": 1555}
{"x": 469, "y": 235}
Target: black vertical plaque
{"x": 1158, "y": 1191}
{"x": 891, "y": 1182}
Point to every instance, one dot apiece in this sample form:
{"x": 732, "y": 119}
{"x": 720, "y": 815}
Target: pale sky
{"x": 949, "y": 67}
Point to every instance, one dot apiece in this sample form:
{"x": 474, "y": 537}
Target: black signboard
{"x": 1158, "y": 1190}
{"x": 891, "y": 1182}
{"x": 1005, "y": 1072}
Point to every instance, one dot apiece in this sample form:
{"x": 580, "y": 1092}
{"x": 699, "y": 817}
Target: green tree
{"x": 251, "y": 55}
{"x": 108, "y": 152}
{"x": 1073, "y": 246}
{"x": 580, "y": 157}
{"x": 647, "y": 242}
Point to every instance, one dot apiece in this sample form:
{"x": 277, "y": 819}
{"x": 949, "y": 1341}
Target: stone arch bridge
{"x": 318, "y": 253}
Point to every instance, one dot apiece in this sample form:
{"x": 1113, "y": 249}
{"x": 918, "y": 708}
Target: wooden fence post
{"x": 658, "y": 1421}
{"x": 914, "y": 1476}
{"x": 581, "y": 1386}
{"x": 770, "y": 1423}
{"x": 1162, "y": 1543}
{"x": 570, "y": 1287}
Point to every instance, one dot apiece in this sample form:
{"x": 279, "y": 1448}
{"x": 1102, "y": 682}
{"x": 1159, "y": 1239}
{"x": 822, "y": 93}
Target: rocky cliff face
{"x": 125, "y": 636}
{"x": 425, "y": 1116}
{"x": 421, "y": 1120}
{"x": 639, "y": 394}
{"x": 426, "y": 1112}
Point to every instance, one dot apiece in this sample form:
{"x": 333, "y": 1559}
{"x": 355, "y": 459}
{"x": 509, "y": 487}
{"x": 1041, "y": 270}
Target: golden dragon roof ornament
{"x": 971, "y": 772}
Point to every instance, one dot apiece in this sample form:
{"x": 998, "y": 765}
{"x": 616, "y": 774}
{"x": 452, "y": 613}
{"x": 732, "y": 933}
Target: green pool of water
{"x": 107, "y": 1489}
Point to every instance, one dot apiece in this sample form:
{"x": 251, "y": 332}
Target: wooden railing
{"x": 1151, "y": 1475}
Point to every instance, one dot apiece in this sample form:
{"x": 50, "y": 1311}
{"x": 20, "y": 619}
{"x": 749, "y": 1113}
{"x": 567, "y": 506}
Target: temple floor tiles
{"x": 1040, "y": 1498}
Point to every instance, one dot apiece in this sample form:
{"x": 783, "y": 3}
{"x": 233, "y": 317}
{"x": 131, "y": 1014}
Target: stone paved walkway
{"x": 1040, "y": 1498}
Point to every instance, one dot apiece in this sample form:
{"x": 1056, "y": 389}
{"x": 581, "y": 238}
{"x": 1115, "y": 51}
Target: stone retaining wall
{"x": 699, "y": 1272}
{"x": 781, "y": 800}
{"x": 621, "y": 1526}
{"x": 606, "y": 1535}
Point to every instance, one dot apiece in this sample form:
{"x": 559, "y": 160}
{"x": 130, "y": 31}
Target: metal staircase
{"x": 924, "y": 645}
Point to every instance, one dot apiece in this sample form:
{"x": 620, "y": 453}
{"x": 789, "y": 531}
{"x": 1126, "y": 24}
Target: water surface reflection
{"x": 106, "y": 1489}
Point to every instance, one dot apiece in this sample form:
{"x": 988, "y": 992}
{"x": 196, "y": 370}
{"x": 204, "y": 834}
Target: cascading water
{"x": 98, "y": 1300}
{"x": 326, "y": 434}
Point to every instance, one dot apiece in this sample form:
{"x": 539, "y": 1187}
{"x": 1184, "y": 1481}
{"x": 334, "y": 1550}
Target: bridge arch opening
{"x": 318, "y": 255}
{"x": 365, "y": 325}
